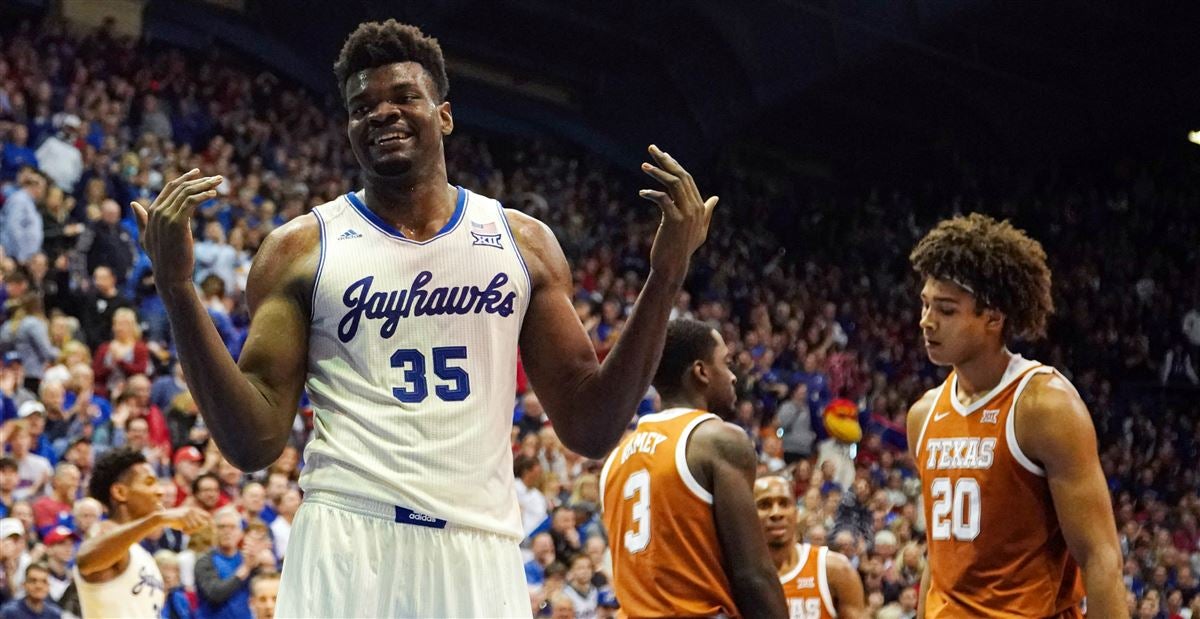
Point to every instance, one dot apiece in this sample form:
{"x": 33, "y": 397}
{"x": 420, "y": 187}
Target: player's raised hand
{"x": 166, "y": 226}
{"x": 685, "y": 214}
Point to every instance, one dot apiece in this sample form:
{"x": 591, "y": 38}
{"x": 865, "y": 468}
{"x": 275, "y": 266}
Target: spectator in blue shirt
{"x": 20, "y": 221}
{"x": 36, "y": 604}
{"x": 542, "y": 546}
{"x": 223, "y": 573}
{"x": 17, "y": 153}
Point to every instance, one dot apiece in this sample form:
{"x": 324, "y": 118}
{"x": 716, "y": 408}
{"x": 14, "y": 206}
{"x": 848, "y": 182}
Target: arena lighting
{"x": 1194, "y": 137}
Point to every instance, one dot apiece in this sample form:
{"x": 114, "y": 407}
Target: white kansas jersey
{"x": 412, "y": 363}
{"x": 136, "y": 592}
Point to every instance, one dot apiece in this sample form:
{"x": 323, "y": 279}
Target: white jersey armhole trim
{"x": 1010, "y": 425}
{"x": 681, "y": 465}
{"x": 320, "y": 261}
{"x": 604, "y": 472}
{"x": 925, "y": 424}
{"x": 801, "y": 560}
{"x": 823, "y": 580}
{"x": 516, "y": 248}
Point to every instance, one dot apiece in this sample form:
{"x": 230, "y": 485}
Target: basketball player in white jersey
{"x": 400, "y": 307}
{"x": 1019, "y": 518}
{"x": 115, "y": 576}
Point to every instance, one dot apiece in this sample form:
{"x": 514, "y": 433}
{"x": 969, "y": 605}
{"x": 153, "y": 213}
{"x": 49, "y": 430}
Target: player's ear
{"x": 995, "y": 320}
{"x": 700, "y": 373}
{"x": 119, "y": 492}
{"x": 443, "y": 110}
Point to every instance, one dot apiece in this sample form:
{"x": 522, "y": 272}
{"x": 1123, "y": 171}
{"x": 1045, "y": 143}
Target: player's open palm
{"x": 686, "y": 214}
{"x": 166, "y": 226}
{"x": 187, "y": 519}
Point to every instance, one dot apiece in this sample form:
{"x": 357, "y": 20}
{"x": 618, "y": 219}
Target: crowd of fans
{"x": 811, "y": 290}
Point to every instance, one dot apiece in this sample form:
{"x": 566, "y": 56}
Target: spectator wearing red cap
{"x": 187, "y": 468}
{"x": 60, "y": 551}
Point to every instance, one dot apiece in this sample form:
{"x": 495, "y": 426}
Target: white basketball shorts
{"x": 351, "y": 557}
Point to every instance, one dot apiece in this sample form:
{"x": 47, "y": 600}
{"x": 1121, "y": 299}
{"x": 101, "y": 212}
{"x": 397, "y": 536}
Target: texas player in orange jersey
{"x": 1015, "y": 502}
{"x": 678, "y": 497}
{"x": 818, "y": 583}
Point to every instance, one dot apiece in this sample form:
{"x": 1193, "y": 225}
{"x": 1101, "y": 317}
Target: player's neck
{"x": 412, "y": 207}
{"x": 685, "y": 400}
{"x": 784, "y": 557}
{"x": 121, "y": 515}
{"x": 982, "y": 373}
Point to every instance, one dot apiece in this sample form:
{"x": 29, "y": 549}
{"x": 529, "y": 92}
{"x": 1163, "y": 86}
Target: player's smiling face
{"x": 952, "y": 325}
{"x": 396, "y": 120}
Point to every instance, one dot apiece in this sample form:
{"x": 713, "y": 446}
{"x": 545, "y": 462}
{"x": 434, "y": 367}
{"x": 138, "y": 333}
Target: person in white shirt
{"x": 584, "y": 595}
{"x": 59, "y": 158}
{"x": 281, "y": 527}
{"x": 528, "y": 471}
{"x": 32, "y": 469}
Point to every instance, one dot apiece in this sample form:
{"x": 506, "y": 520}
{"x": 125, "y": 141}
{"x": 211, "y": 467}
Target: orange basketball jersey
{"x": 995, "y": 546}
{"x": 667, "y": 561}
{"x": 806, "y": 586}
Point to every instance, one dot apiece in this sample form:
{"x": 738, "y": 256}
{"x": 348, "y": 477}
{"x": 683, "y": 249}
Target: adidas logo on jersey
{"x": 349, "y": 234}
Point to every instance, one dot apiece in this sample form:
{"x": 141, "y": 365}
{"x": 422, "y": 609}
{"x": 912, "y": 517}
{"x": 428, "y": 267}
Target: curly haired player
{"x": 1018, "y": 516}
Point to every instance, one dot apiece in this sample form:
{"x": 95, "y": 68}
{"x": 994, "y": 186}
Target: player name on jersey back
{"x": 642, "y": 442}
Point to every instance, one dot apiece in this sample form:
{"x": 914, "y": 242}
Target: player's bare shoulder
{"x": 916, "y": 417}
{"x": 715, "y": 440}
{"x": 1049, "y": 411}
{"x": 286, "y": 261}
{"x": 539, "y": 247}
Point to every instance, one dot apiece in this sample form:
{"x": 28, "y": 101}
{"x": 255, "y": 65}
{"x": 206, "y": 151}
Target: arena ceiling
{"x": 830, "y": 80}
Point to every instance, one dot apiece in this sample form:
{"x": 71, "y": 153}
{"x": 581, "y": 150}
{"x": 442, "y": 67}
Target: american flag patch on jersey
{"x": 486, "y": 235}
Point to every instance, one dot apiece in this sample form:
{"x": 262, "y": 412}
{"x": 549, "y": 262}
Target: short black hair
{"x": 374, "y": 44}
{"x": 124, "y": 398}
{"x": 556, "y": 568}
{"x": 19, "y": 275}
{"x": 202, "y": 477}
{"x": 110, "y": 469}
{"x": 523, "y": 463}
{"x": 688, "y": 341}
{"x": 8, "y": 464}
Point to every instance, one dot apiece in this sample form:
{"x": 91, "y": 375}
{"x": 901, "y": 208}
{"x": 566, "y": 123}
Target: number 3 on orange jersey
{"x": 638, "y": 484}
